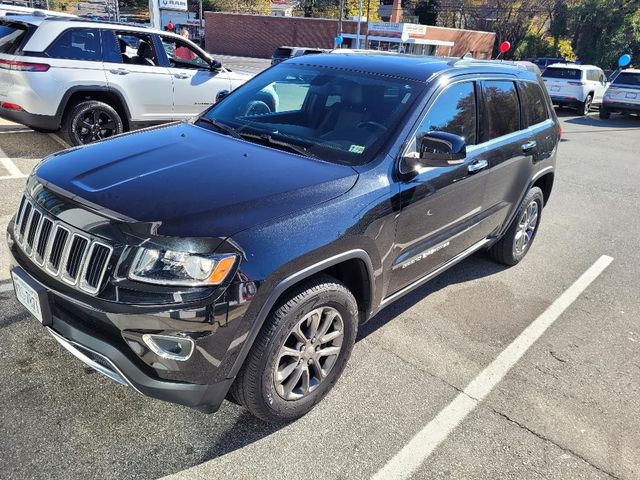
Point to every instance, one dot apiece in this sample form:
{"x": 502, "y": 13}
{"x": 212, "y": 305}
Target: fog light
{"x": 170, "y": 347}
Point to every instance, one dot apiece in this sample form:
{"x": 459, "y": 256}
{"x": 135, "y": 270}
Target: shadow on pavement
{"x": 477, "y": 266}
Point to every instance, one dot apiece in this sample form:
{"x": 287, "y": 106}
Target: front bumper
{"x": 109, "y": 361}
{"x": 43, "y": 122}
{"x": 109, "y": 338}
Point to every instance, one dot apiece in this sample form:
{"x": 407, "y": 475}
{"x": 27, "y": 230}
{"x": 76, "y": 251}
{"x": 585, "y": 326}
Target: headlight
{"x": 166, "y": 267}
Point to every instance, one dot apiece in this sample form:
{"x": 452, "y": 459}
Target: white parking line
{"x": 9, "y": 166}
{"x": 59, "y": 140}
{"x": 422, "y": 445}
{"x": 6, "y": 287}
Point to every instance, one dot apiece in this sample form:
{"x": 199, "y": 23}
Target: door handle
{"x": 181, "y": 76}
{"x": 119, "y": 71}
{"x": 477, "y": 166}
{"x": 527, "y": 147}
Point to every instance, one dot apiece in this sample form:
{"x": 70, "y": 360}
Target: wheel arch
{"x": 100, "y": 93}
{"x": 353, "y": 268}
{"x": 545, "y": 183}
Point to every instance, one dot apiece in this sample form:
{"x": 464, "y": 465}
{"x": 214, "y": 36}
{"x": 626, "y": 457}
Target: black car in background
{"x": 543, "y": 62}
{"x": 238, "y": 253}
{"x": 283, "y": 53}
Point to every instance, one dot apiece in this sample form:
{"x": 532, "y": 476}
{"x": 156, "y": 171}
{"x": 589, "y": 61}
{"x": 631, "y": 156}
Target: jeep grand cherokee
{"x": 237, "y": 254}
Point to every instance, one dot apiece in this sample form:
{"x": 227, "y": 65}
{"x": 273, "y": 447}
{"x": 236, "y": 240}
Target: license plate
{"x": 555, "y": 89}
{"x": 631, "y": 95}
{"x": 34, "y": 300}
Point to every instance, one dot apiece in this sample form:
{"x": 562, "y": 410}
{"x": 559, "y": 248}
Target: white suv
{"x": 575, "y": 86}
{"x": 623, "y": 95}
{"x": 97, "y": 79}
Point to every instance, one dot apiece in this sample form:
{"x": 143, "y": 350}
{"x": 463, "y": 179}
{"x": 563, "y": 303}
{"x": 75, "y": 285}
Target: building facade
{"x": 260, "y": 35}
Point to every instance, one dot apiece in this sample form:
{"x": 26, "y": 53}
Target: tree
{"x": 427, "y": 11}
{"x": 242, "y": 6}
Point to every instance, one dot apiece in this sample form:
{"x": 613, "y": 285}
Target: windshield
{"x": 627, "y": 78}
{"x": 326, "y": 113}
{"x": 568, "y": 73}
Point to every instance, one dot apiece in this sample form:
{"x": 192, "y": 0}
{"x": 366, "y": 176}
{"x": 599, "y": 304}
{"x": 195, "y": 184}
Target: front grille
{"x": 63, "y": 252}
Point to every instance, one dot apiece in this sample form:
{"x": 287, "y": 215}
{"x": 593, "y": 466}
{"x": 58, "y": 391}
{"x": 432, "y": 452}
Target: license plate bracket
{"x": 32, "y": 295}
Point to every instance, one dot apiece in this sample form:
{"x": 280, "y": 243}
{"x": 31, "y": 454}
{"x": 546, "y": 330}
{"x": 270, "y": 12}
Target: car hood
{"x": 187, "y": 181}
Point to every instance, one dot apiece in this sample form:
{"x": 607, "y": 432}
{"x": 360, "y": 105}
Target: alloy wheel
{"x": 309, "y": 353}
{"x": 95, "y": 124}
{"x": 526, "y": 228}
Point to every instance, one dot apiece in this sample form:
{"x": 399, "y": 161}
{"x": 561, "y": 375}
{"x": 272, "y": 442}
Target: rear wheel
{"x": 516, "y": 242}
{"x": 300, "y": 352}
{"x": 604, "y": 113}
{"x": 90, "y": 121}
{"x": 586, "y": 106}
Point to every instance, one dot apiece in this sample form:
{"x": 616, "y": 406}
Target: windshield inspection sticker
{"x": 356, "y": 149}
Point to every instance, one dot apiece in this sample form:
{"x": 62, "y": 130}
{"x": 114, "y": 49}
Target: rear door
{"x": 507, "y": 146}
{"x": 195, "y": 85}
{"x": 134, "y": 71}
{"x": 565, "y": 83}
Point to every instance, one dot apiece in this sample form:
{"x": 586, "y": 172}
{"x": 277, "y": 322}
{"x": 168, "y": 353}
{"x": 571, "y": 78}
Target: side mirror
{"x": 215, "y": 66}
{"x": 440, "y": 149}
{"x": 221, "y": 95}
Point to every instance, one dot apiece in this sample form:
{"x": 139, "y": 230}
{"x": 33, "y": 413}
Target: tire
{"x": 586, "y": 105}
{"x": 507, "y": 250}
{"x": 98, "y": 119}
{"x": 259, "y": 388}
{"x": 604, "y": 113}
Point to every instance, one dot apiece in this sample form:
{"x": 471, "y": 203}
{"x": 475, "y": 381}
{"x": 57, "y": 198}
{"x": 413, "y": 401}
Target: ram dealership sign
{"x": 173, "y": 5}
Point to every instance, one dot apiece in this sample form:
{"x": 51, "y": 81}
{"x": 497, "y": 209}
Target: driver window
{"x": 454, "y": 111}
{"x": 183, "y": 55}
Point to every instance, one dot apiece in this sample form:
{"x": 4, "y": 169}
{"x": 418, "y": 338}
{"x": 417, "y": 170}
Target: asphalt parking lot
{"x": 569, "y": 408}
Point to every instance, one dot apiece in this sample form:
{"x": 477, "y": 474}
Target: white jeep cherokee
{"x": 575, "y": 86}
{"x": 93, "y": 80}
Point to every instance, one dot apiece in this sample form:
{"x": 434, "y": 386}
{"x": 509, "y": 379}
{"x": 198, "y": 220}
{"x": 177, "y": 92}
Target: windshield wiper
{"x": 265, "y": 137}
{"x": 221, "y": 126}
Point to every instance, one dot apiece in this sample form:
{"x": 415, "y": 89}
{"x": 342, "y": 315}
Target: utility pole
{"x": 359, "y": 22}
{"x": 366, "y": 35}
{"x": 340, "y": 9}
{"x": 201, "y": 32}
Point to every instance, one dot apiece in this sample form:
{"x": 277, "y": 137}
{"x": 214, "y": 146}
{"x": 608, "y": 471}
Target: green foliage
{"x": 543, "y": 46}
{"x": 427, "y": 11}
{"x": 262, "y": 7}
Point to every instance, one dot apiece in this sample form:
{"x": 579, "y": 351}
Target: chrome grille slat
{"x": 43, "y": 240}
{"x": 61, "y": 251}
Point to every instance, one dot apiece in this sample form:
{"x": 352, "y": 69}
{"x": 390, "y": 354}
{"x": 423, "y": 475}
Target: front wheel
{"x": 300, "y": 352}
{"x": 516, "y": 242}
{"x": 91, "y": 121}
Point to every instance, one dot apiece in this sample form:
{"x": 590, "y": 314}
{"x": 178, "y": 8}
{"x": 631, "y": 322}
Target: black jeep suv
{"x": 236, "y": 254}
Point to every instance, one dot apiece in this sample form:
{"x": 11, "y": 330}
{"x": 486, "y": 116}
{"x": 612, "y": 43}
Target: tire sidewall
{"x": 586, "y": 107}
{"x": 534, "y": 194}
{"x": 291, "y": 409}
{"x": 84, "y": 107}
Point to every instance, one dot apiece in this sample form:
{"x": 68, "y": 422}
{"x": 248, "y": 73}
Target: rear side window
{"x": 563, "y": 73}
{"x": 534, "y": 107}
{"x": 628, "y": 78}
{"x": 501, "y": 109}
{"x": 11, "y": 36}
{"x": 77, "y": 44}
{"x": 454, "y": 111}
